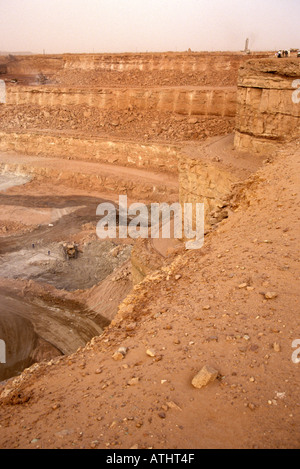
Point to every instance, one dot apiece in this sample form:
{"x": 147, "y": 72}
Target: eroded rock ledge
{"x": 268, "y": 110}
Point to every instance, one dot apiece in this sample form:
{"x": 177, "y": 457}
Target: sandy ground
{"x": 216, "y": 314}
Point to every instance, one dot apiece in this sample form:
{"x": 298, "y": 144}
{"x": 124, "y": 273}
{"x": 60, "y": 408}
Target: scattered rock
{"x": 271, "y": 295}
{"x": 151, "y": 353}
{"x": 133, "y": 381}
{"x": 206, "y": 376}
{"x": 276, "y": 347}
{"x": 120, "y": 354}
{"x": 139, "y": 424}
{"x": 64, "y": 433}
{"x": 174, "y": 406}
{"x": 193, "y": 120}
{"x": 94, "y": 444}
{"x": 55, "y": 406}
{"x": 212, "y": 338}
{"x": 251, "y": 406}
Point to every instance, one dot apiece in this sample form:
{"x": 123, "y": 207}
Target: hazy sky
{"x": 154, "y": 25}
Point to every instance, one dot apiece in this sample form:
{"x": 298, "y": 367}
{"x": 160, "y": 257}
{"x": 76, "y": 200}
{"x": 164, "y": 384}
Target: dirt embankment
{"x": 209, "y": 308}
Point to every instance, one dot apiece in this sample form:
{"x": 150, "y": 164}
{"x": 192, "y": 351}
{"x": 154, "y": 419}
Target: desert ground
{"x": 103, "y": 347}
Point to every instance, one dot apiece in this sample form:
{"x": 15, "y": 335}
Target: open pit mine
{"x": 114, "y": 331}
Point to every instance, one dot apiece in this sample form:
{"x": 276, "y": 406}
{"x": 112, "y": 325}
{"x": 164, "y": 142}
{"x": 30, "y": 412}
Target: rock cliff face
{"x": 198, "y": 101}
{"x": 183, "y": 62}
{"x": 100, "y": 150}
{"x": 207, "y": 183}
{"x": 268, "y": 108}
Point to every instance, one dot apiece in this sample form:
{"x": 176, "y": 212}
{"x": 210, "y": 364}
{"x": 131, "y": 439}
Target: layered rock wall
{"x": 268, "y": 104}
{"x": 152, "y": 156}
{"x": 196, "y": 101}
{"x": 182, "y": 62}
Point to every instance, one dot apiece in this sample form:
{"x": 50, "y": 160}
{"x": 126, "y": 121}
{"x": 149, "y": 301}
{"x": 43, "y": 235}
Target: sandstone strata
{"x": 267, "y": 114}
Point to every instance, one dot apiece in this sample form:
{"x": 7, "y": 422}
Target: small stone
{"x": 243, "y": 285}
{"x": 158, "y": 358}
{"x": 94, "y": 444}
{"x": 135, "y": 447}
{"x": 151, "y": 353}
{"x": 34, "y": 441}
{"x": 276, "y": 347}
{"x": 251, "y": 406}
{"x": 212, "y": 338}
{"x": 174, "y": 406}
{"x": 178, "y": 277}
{"x": 162, "y": 415}
{"x": 206, "y": 308}
{"x": 55, "y": 406}
{"x": 64, "y": 433}
{"x": 133, "y": 381}
{"x": 118, "y": 356}
{"x": 139, "y": 424}
{"x": 206, "y": 376}
{"x": 271, "y": 295}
